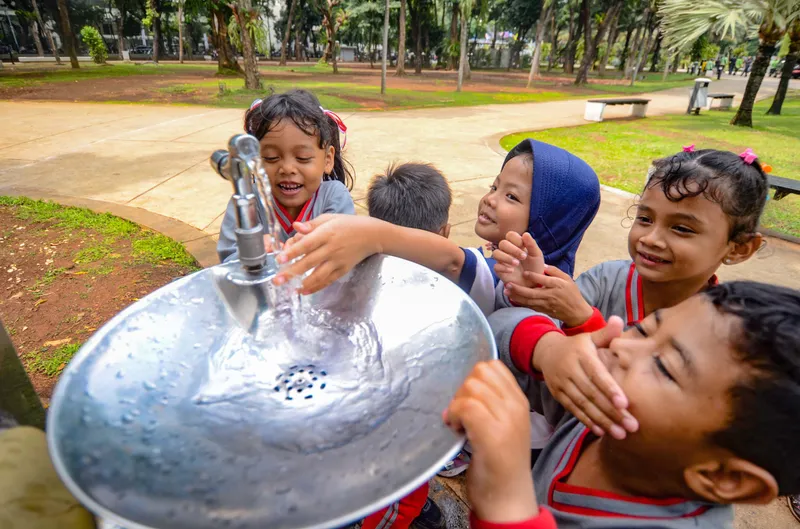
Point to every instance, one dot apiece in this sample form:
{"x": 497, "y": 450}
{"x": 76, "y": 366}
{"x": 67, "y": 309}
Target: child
{"x": 303, "y": 159}
{"x": 541, "y": 189}
{"x": 414, "y": 195}
{"x": 715, "y": 382}
{"x": 698, "y": 210}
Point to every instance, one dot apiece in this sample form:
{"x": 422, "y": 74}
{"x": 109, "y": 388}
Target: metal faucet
{"x": 241, "y": 165}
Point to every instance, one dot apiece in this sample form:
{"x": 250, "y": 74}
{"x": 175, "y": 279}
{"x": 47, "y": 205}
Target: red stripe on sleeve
{"x": 595, "y": 322}
{"x": 524, "y": 339}
{"x": 543, "y": 520}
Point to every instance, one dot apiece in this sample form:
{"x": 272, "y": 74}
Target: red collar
{"x": 634, "y": 295}
{"x": 559, "y": 485}
{"x": 286, "y": 220}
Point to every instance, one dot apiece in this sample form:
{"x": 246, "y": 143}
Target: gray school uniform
{"x": 578, "y": 507}
{"x": 613, "y": 287}
{"x": 331, "y": 197}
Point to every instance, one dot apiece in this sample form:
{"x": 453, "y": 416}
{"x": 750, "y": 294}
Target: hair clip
{"x": 339, "y": 123}
{"x": 255, "y": 103}
{"x": 766, "y": 168}
{"x": 688, "y": 148}
{"x": 748, "y": 156}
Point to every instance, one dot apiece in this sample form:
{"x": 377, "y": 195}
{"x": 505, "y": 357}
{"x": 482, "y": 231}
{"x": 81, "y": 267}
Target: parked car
{"x": 796, "y": 71}
{"x": 141, "y": 52}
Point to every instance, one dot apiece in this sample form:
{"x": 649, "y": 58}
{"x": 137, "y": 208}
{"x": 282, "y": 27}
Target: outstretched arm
{"x": 334, "y": 244}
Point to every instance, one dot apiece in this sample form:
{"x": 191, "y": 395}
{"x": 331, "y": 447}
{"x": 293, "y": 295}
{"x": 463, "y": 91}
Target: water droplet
{"x": 163, "y": 373}
{"x": 184, "y": 364}
{"x": 283, "y": 490}
{"x": 120, "y": 374}
{"x": 127, "y": 418}
{"x": 197, "y": 300}
{"x": 149, "y": 386}
{"x": 196, "y": 346}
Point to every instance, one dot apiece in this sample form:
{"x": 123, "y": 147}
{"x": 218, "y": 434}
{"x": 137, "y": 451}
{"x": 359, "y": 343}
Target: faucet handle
{"x": 244, "y": 147}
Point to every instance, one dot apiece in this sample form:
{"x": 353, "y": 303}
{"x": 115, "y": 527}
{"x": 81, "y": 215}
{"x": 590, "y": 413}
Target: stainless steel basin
{"x": 173, "y": 416}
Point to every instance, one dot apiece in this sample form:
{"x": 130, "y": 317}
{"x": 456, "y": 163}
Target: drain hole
{"x": 277, "y": 388}
{"x": 322, "y": 386}
{"x": 323, "y": 373}
{"x": 288, "y": 397}
{"x": 293, "y": 367}
{"x": 310, "y": 386}
{"x": 308, "y": 396}
{"x": 315, "y": 378}
{"x": 300, "y": 371}
{"x": 300, "y": 390}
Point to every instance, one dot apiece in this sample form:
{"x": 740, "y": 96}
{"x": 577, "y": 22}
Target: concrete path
{"x": 150, "y": 164}
{"x": 155, "y": 158}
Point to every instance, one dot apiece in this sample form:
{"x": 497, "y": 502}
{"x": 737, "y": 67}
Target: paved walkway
{"x": 155, "y": 158}
{"x": 150, "y": 164}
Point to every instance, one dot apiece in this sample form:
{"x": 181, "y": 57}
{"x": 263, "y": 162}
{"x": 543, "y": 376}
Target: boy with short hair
{"x": 715, "y": 384}
{"x": 413, "y": 195}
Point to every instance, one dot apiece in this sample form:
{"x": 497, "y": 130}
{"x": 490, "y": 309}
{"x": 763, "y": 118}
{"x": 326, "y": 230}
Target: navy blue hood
{"x": 565, "y": 197}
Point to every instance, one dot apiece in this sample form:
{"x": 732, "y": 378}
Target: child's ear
{"x": 445, "y": 231}
{"x": 742, "y": 251}
{"x": 732, "y": 480}
{"x": 330, "y": 154}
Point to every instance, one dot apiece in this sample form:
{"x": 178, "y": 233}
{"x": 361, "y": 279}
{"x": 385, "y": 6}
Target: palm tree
{"x": 245, "y": 15}
{"x": 66, "y": 27}
{"x": 788, "y": 65}
{"x": 286, "y": 33}
{"x": 684, "y": 21}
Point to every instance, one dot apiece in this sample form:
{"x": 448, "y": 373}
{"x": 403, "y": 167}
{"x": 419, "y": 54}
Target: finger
{"x": 554, "y": 271}
{"x": 536, "y": 294}
{"x": 613, "y": 329}
{"x": 311, "y": 225}
{"x": 301, "y": 266}
{"x": 514, "y": 238}
{"x": 508, "y": 380}
{"x": 470, "y": 416}
{"x": 587, "y": 383}
{"x": 530, "y": 245}
{"x": 505, "y": 258}
{"x": 321, "y": 277}
{"x": 503, "y": 269}
{"x": 305, "y": 245}
{"x": 579, "y": 414}
{"x": 541, "y": 279}
{"x": 595, "y": 414}
{"x": 510, "y": 249}
{"x": 489, "y": 373}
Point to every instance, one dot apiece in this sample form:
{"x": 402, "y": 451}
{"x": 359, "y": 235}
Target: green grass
{"x": 13, "y": 79}
{"x": 37, "y": 289}
{"x": 652, "y": 83}
{"x": 147, "y": 245}
{"x": 349, "y": 96}
{"x": 51, "y": 363}
{"x": 621, "y": 151}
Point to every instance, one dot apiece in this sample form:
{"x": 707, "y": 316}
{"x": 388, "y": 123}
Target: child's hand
{"x": 578, "y": 379}
{"x": 556, "y": 295}
{"x": 492, "y": 410}
{"x": 332, "y": 245}
{"x": 516, "y": 255}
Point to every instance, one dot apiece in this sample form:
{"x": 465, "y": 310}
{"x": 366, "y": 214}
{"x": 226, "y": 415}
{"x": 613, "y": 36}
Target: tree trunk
{"x": 668, "y": 65}
{"x": 37, "y": 41}
{"x": 226, "y": 58}
{"x": 494, "y": 36}
{"x": 744, "y": 116}
{"x": 623, "y": 59}
{"x": 45, "y": 30}
{"x": 588, "y": 56}
{"x": 285, "y": 44}
{"x": 298, "y": 48}
{"x": 656, "y": 53}
{"x": 180, "y": 32}
{"x": 451, "y": 60}
{"x": 554, "y": 41}
{"x": 120, "y": 23}
{"x": 786, "y": 73}
{"x": 462, "y": 60}
{"x": 572, "y": 45}
{"x": 613, "y": 33}
{"x": 643, "y": 51}
{"x": 416, "y": 34}
{"x": 401, "y": 41}
{"x": 385, "y": 50}
{"x": 156, "y": 30}
{"x": 541, "y": 24}
{"x": 631, "y": 57}
{"x": 66, "y": 27}
{"x": 590, "y": 48}
{"x": 243, "y": 10}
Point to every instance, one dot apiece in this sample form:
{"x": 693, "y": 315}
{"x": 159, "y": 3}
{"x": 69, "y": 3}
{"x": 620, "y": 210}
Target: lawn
{"x": 356, "y": 87}
{"x": 70, "y": 270}
{"x": 621, "y": 151}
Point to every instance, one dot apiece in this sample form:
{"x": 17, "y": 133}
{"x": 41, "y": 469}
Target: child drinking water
{"x": 303, "y": 159}
{"x": 698, "y": 210}
{"x": 715, "y": 384}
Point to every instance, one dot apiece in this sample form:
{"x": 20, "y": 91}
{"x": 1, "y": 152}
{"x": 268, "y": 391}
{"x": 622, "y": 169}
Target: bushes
{"x": 97, "y": 48}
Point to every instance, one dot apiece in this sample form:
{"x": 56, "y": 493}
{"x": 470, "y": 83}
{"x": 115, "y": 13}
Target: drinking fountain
{"x": 221, "y": 400}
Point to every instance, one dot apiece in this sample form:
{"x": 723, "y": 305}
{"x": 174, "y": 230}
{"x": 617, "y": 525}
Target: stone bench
{"x": 725, "y": 101}
{"x": 596, "y": 107}
{"x": 783, "y": 186}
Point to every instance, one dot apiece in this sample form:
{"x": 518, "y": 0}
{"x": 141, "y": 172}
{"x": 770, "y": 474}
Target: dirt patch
{"x": 59, "y": 283}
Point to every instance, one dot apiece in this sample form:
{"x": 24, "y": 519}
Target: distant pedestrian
{"x": 773, "y": 67}
{"x": 732, "y": 66}
{"x": 718, "y": 68}
{"x": 748, "y": 62}
{"x": 724, "y": 61}
{"x": 739, "y": 64}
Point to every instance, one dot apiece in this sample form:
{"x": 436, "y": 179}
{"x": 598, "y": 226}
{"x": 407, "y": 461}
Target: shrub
{"x": 97, "y": 48}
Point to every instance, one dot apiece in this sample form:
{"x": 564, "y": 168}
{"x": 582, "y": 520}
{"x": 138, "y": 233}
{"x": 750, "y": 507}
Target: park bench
{"x": 725, "y": 101}
{"x": 596, "y": 107}
{"x": 783, "y": 186}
